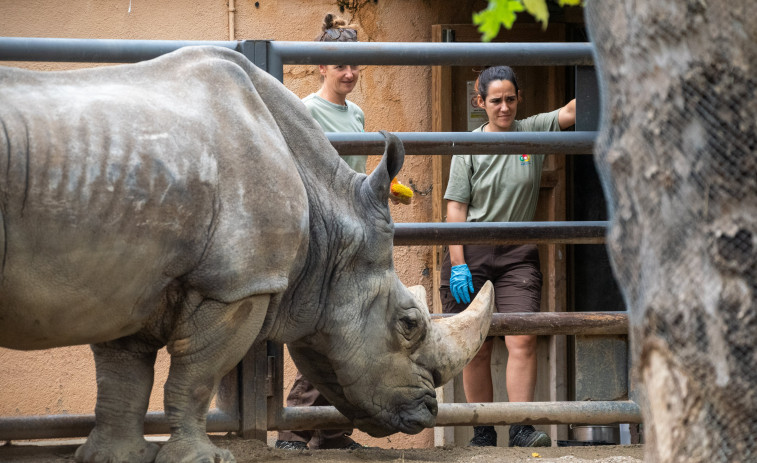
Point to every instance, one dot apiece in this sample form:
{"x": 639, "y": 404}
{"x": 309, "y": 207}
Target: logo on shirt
{"x": 525, "y": 159}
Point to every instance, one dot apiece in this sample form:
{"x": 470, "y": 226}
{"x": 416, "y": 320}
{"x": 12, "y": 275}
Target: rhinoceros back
{"x": 120, "y": 180}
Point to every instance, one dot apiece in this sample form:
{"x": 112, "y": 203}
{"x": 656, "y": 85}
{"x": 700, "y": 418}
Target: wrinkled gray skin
{"x": 192, "y": 202}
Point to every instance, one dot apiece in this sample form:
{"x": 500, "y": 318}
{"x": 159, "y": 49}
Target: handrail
{"x": 386, "y": 53}
{"x": 436, "y": 53}
{"x": 555, "y": 323}
{"x": 438, "y": 143}
{"x": 493, "y": 413}
{"x": 431, "y": 233}
{"x": 94, "y": 50}
{"x": 298, "y": 418}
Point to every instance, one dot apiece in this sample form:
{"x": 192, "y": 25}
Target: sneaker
{"x": 291, "y": 445}
{"x": 483, "y": 436}
{"x": 527, "y": 436}
{"x": 353, "y": 446}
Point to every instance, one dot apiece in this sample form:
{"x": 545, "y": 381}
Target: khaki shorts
{"x": 513, "y": 270}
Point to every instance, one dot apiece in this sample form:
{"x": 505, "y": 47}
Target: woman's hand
{"x": 461, "y": 283}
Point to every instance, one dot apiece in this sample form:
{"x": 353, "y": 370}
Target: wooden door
{"x": 543, "y": 89}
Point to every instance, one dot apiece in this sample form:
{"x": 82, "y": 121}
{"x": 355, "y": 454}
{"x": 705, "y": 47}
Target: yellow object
{"x": 400, "y": 192}
{"x": 535, "y": 455}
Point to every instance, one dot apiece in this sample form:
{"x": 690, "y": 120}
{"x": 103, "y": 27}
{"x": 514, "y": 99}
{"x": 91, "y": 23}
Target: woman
{"x": 329, "y": 105}
{"x": 497, "y": 188}
{"x": 331, "y": 109}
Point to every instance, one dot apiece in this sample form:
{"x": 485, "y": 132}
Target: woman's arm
{"x": 567, "y": 115}
{"x": 456, "y": 212}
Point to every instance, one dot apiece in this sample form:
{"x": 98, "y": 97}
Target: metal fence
{"x": 256, "y": 406}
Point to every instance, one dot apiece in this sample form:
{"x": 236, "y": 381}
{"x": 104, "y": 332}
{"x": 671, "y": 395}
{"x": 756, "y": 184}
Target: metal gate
{"x": 254, "y": 404}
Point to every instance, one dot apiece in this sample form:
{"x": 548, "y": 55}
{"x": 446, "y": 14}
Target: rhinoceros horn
{"x": 453, "y": 341}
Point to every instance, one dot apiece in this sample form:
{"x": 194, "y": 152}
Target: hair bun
{"x": 331, "y": 21}
{"x": 328, "y": 22}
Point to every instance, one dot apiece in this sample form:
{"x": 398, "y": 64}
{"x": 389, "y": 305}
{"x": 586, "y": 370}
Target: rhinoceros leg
{"x": 124, "y": 382}
{"x": 219, "y": 338}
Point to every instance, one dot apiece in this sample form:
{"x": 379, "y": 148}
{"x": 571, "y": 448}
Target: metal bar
{"x": 94, "y": 50}
{"x": 414, "y": 234}
{"x": 588, "y": 105}
{"x": 555, "y": 323}
{"x": 275, "y": 65}
{"x": 60, "y": 426}
{"x": 253, "y": 400}
{"x": 498, "y": 413}
{"x": 438, "y": 143}
{"x": 298, "y": 418}
{"x": 387, "y": 53}
{"x": 276, "y": 369}
{"x": 439, "y": 54}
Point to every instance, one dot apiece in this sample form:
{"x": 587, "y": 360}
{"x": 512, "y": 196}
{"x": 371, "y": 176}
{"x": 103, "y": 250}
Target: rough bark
{"x": 677, "y": 156}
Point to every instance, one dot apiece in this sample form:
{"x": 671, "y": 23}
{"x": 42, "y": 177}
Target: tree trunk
{"x": 677, "y": 156}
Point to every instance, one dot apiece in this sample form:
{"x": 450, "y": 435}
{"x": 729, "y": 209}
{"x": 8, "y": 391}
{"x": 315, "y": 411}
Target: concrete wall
{"x": 394, "y": 98}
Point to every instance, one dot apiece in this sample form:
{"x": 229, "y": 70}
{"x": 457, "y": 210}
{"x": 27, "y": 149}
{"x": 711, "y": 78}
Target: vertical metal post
{"x": 254, "y": 371}
{"x": 275, "y": 382}
{"x": 587, "y": 98}
{"x": 253, "y": 397}
{"x": 255, "y": 51}
{"x": 275, "y": 65}
{"x": 601, "y": 362}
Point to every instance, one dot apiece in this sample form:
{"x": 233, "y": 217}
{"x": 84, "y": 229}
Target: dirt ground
{"x": 254, "y": 451}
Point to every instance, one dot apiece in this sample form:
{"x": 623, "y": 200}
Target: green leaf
{"x": 502, "y": 12}
{"x": 497, "y": 13}
{"x": 538, "y": 9}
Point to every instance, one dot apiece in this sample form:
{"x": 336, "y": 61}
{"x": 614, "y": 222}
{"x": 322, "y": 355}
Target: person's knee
{"x": 521, "y": 346}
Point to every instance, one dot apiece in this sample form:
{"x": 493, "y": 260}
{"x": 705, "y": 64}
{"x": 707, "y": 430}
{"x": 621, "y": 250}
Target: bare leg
{"x": 124, "y": 382}
{"x": 521, "y": 368}
{"x": 477, "y": 375}
{"x": 204, "y": 348}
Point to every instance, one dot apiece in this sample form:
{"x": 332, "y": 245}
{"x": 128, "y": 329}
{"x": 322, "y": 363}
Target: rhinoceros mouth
{"x": 423, "y": 415}
{"x": 410, "y": 418}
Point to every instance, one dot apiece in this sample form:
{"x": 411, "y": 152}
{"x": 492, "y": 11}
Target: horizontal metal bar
{"x": 437, "y": 143}
{"x": 60, "y": 426}
{"x": 386, "y": 53}
{"x": 431, "y": 233}
{"x": 444, "y": 54}
{"x": 501, "y": 413}
{"x": 299, "y": 418}
{"x": 94, "y": 50}
{"x": 555, "y": 323}
{"x": 497, "y": 413}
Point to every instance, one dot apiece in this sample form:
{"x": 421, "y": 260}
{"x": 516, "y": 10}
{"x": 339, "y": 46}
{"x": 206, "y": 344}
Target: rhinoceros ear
{"x": 391, "y": 163}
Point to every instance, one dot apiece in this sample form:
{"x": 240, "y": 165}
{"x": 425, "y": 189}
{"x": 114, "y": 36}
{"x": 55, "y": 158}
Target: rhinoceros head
{"x": 375, "y": 353}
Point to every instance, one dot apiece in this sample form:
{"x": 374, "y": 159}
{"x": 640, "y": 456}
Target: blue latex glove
{"x": 461, "y": 283}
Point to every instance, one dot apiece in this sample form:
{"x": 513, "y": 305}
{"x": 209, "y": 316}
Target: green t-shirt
{"x": 501, "y": 188}
{"x": 337, "y": 118}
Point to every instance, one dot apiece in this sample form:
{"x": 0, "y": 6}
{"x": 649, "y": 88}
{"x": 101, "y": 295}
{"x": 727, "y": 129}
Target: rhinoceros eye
{"x": 409, "y": 325}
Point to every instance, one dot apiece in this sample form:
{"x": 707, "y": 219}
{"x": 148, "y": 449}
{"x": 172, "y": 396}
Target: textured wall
{"x": 393, "y": 98}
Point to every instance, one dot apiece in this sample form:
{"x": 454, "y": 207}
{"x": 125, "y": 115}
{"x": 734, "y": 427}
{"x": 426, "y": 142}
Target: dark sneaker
{"x": 527, "y": 436}
{"x": 291, "y": 445}
{"x": 483, "y": 436}
{"x": 354, "y": 445}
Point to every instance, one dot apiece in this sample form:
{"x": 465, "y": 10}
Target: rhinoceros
{"x": 191, "y": 202}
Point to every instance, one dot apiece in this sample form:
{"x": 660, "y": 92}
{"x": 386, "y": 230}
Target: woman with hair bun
{"x": 331, "y": 109}
{"x": 499, "y": 188}
{"x": 329, "y": 105}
